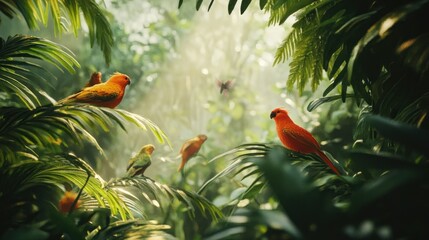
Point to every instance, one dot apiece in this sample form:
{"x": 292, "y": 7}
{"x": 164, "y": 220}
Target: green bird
{"x": 141, "y": 161}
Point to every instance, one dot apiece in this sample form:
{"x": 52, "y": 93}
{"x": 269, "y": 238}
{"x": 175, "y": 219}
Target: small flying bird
{"x": 108, "y": 94}
{"x": 138, "y": 164}
{"x": 225, "y": 87}
{"x": 94, "y": 80}
{"x": 190, "y": 148}
{"x": 296, "y": 138}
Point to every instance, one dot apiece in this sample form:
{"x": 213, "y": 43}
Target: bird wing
{"x": 142, "y": 161}
{"x": 303, "y": 138}
{"x": 138, "y": 164}
{"x": 131, "y": 162}
{"x": 187, "y": 144}
{"x": 96, "y": 94}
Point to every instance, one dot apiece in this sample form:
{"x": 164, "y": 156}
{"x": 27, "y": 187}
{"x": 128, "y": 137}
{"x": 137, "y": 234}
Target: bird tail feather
{"x": 182, "y": 165}
{"x": 328, "y": 162}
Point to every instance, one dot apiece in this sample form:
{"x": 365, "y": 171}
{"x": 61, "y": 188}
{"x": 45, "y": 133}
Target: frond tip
{"x": 17, "y": 67}
{"x": 35, "y": 12}
{"x": 45, "y": 126}
{"x": 192, "y": 200}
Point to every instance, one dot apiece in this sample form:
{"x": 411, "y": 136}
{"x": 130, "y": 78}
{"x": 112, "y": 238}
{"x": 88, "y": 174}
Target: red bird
{"x": 296, "y": 138}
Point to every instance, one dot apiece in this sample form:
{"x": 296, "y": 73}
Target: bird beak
{"x": 272, "y": 115}
{"x": 129, "y": 83}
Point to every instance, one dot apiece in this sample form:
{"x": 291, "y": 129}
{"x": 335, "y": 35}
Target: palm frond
{"x": 336, "y": 69}
{"x": 21, "y": 128}
{"x": 239, "y": 155}
{"x": 244, "y": 161}
{"x": 7, "y": 9}
{"x": 17, "y": 74}
{"x": 98, "y": 26}
{"x": 416, "y": 53}
{"x": 317, "y": 102}
{"x": 304, "y": 205}
{"x": 53, "y": 171}
{"x": 253, "y": 224}
{"x": 405, "y": 134}
{"x": 153, "y": 191}
{"x": 299, "y": 198}
{"x": 35, "y": 12}
{"x": 144, "y": 123}
{"x": 132, "y": 229}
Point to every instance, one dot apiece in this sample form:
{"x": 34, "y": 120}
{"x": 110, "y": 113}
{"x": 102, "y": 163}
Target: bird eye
{"x": 278, "y": 111}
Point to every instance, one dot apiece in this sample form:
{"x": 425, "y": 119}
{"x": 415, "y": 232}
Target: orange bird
{"x": 190, "y": 148}
{"x": 94, "y": 80}
{"x": 108, "y": 94}
{"x": 296, "y": 138}
{"x": 66, "y": 202}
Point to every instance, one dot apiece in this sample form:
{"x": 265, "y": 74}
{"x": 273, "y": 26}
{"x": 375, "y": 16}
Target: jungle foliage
{"x": 36, "y": 166}
{"x": 373, "y": 53}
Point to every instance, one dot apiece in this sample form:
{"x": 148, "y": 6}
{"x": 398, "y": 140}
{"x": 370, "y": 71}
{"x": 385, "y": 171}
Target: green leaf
{"x": 51, "y": 172}
{"x": 231, "y": 5}
{"x": 301, "y": 201}
{"x": 287, "y": 48}
{"x": 292, "y": 7}
{"x": 148, "y": 186}
{"x": 382, "y": 186}
{"x": 248, "y": 224}
{"x": 244, "y": 5}
{"x": 26, "y": 232}
{"x": 316, "y": 103}
{"x": 243, "y": 153}
{"x": 99, "y": 27}
{"x": 405, "y": 134}
{"x": 65, "y": 225}
{"x": 34, "y": 12}
{"x": 210, "y": 5}
{"x": 7, "y": 9}
{"x": 254, "y": 189}
{"x": 132, "y": 229}
{"x": 199, "y": 2}
{"x": 262, "y": 3}
{"x": 43, "y": 126}
{"x": 380, "y": 160}
{"x": 340, "y": 78}
{"x": 16, "y": 54}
